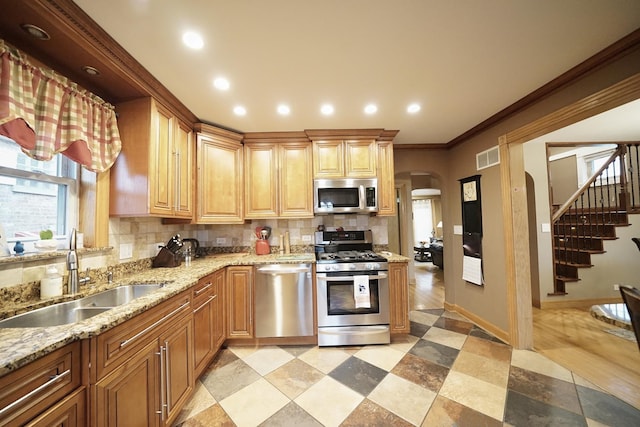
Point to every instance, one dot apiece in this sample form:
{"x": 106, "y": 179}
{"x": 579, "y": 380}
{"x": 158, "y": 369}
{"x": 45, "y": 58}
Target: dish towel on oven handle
{"x": 361, "y": 291}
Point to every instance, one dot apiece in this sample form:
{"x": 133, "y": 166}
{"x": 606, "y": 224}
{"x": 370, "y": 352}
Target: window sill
{"x": 40, "y": 256}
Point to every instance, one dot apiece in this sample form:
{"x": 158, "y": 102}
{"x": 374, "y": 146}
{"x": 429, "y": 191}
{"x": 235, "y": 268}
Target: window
{"x": 422, "y": 221}
{"x": 35, "y": 195}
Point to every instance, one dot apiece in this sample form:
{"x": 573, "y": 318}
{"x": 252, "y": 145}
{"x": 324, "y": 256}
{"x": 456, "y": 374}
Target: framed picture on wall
{"x": 471, "y": 199}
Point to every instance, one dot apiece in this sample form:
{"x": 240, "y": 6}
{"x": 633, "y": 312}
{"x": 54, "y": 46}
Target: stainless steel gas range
{"x": 352, "y": 290}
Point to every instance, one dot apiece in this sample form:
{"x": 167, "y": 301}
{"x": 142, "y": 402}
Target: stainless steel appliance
{"x": 352, "y": 290}
{"x": 345, "y": 195}
{"x": 284, "y": 300}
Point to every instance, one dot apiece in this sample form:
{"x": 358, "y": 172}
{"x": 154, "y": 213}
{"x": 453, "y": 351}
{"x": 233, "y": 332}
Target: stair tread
{"x": 573, "y": 264}
{"x": 588, "y": 251}
{"x": 567, "y": 279}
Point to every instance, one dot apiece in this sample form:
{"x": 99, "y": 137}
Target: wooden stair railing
{"x": 582, "y": 224}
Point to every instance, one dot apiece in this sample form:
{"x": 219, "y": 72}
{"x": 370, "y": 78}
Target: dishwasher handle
{"x": 279, "y": 269}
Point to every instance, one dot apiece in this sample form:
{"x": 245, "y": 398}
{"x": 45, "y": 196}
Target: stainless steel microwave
{"x": 345, "y": 195}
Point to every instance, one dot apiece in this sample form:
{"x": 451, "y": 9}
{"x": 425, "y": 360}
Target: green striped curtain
{"x": 47, "y": 114}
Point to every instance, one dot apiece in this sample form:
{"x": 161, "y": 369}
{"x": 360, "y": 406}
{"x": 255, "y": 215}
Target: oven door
{"x": 337, "y": 302}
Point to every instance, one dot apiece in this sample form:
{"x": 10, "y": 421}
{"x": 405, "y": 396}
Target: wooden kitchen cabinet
{"x": 239, "y": 300}
{"x": 208, "y": 319}
{"x": 278, "y": 180}
{"x": 69, "y": 412}
{"x": 386, "y": 181}
{"x": 154, "y": 173}
{"x": 220, "y": 176}
{"x": 348, "y": 158}
{"x": 399, "y": 297}
{"x": 41, "y": 386}
{"x": 144, "y": 367}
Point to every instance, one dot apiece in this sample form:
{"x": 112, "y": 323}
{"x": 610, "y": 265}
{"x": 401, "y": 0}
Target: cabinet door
{"x": 239, "y": 295}
{"x": 178, "y": 363}
{"x": 162, "y": 162}
{"x": 204, "y": 323}
{"x": 130, "y": 395}
{"x": 328, "y": 159}
{"x": 219, "y": 181}
{"x": 295, "y": 180}
{"x": 70, "y": 412}
{"x": 218, "y": 302}
{"x": 386, "y": 181}
{"x": 185, "y": 160}
{"x": 360, "y": 158}
{"x": 399, "y": 297}
{"x": 260, "y": 190}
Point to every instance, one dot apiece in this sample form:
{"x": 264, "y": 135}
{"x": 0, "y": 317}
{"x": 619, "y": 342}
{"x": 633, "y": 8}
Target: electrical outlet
{"x": 616, "y": 287}
{"x": 221, "y": 241}
{"x": 126, "y": 250}
{"x": 306, "y": 238}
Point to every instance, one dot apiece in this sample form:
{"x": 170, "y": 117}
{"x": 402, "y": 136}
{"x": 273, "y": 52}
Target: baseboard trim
{"x": 487, "y": 326}
{"x": 583, "y": 303}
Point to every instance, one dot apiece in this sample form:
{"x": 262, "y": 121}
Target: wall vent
{"x": 488, "y": 158}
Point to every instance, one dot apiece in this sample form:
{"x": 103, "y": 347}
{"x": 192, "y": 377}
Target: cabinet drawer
{"x": 113, "y": 347}
{"x": 202, "y": 291}
{"x": 30, "y": 390}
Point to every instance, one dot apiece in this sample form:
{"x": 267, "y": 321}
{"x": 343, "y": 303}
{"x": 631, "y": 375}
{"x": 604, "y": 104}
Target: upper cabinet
{"x": 220, "y": 176}
{"x": 386, "y": 181}
{"x": 153, "y": 175}
{"x": 278, "y": 175}
{"x": 352, "y": 158}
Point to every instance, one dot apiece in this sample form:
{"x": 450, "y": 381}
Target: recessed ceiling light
{"x": 240, "y": 110}
{"x": 192, "y": 40}
{"x": 283, "y": 110}
{"x": 371, "y": 109}
{"x": 326, "y": 109}
{"x": 36, "y": 32}
{"x": 92, "y": 71}
{"x": 221, "y": 83}
{"x": 413, "y": 108}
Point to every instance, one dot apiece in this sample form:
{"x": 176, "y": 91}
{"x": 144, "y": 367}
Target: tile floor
{"x": 446, "y": 372}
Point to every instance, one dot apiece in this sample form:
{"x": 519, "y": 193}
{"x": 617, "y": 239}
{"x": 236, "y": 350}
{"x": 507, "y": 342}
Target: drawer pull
{"x": 33, "y": 392}
{"x": 150, "y": 327}
{"x": 211, "y": 298}
{"x": 204, "y": 288}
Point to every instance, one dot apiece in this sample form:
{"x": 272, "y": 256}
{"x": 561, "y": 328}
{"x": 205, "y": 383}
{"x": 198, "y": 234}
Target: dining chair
{"x": 636, "y": 241}
{"x": 631, "y": 298}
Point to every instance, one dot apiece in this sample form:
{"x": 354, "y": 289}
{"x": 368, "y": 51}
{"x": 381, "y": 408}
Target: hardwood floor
{"x": 570, "y": 337}
{"x": 577, "y": 341}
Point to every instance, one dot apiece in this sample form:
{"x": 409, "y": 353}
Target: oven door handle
{"x": 342, "y": 278}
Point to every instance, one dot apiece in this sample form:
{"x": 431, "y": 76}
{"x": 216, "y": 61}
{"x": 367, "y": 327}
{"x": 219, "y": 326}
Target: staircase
{"x": 583, "y": 224}
{"x": 579, "y": 234}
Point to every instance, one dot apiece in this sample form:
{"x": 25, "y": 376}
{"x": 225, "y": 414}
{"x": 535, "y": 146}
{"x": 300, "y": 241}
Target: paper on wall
{"x": 361, "y": 291}
{"x": 472, "y": 270}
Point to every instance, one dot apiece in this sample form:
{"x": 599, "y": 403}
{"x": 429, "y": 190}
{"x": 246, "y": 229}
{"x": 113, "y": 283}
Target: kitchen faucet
{"x": 72, "y": 266}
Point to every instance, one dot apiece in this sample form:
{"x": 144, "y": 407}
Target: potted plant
{"x": 46, "y": 242}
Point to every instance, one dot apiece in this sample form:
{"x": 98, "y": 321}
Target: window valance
{"x": 46, "y": 114}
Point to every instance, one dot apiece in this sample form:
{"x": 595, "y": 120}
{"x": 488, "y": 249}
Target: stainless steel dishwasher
{"x": 283, "y": 300}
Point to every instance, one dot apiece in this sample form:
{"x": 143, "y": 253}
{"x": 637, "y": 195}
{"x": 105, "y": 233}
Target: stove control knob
{"x": 373, "y": 266}
{"x": 352, "y": 266}
{"x": 334, "y": 267}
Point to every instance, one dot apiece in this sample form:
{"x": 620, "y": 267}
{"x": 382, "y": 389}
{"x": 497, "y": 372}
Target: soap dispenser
{"x": 51, "y": 283}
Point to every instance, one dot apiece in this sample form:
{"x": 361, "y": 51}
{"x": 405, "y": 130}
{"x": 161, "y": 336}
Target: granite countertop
{"x": 19, "y": 346}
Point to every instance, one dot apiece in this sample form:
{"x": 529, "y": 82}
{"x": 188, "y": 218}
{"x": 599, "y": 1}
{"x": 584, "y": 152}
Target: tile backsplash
{"x": 144, "y": 235}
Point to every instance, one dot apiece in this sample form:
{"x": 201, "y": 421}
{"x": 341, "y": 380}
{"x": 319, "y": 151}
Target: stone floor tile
{"x": 359, "y": 375}
{"x": 338, "y": 401}
{"x": 421, "y": 372}
{"x": 483, "y": 368}
{"x": 445, "y": 337}
{"x": 254, "y": 403}
{"x": 532, "y": 361}
{"x": 266, "y": 359}
{"x": 229, "y": 379}
{"x": 445, "y": 413}
{"x": 476, "y": 394}
{"x": 294, "y": 377}
{"x": 521, "y": 410}
{"x": 372, "y": 415}
{"x": 604, "y": 408}
{"x": 403, "y": 398}
{"x": 291, "y": 415}
{"x": 434, "y": 352}
{"x": 545, "y": 389}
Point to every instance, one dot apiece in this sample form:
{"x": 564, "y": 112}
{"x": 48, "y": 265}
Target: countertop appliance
{"x": 283, "y": 300}
{"x": 352, "y": 290}
{"x": 345, "y": 195}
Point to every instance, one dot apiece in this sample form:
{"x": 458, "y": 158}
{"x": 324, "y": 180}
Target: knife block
{"x": 166, "y": 258}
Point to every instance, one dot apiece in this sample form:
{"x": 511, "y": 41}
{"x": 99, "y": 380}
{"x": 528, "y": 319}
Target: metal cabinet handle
{"x": 162, "y": 384}
{"x": 211, "y": 298}
{"x": 150, "y": 327}
{"x": 33, "y": 392}
{"x": 342, "y": 278}
{"x": 167, "y": 367}
{"x": 201, "y": 290}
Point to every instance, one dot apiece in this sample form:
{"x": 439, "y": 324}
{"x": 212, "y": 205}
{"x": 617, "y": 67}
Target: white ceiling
{"x": 461, "y": 60}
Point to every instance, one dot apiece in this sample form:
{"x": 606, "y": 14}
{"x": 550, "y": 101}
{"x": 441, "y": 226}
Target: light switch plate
{"x": 221, "y": 241}
{"x": 126, "y": 250}
{"x": 457, "y": 229}
{"x": 546, "y": 227}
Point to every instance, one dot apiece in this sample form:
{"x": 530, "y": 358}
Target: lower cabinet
{"x": 69, "y": 412}
{"x": 208, "y": 319}
{"x": 399, "y": 297}
{"x": 239, "y": 300}
{"x": 41, "y": 387}
{"x": 153, "y": 375}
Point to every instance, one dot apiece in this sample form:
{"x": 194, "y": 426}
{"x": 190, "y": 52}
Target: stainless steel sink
{"x": 75, "y": 311}
{"x": 118, "y": 296}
